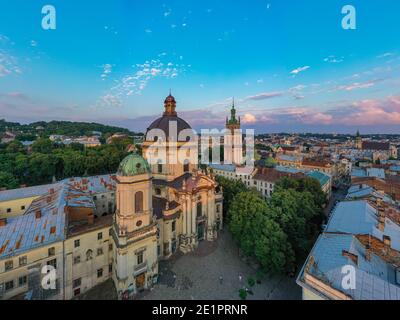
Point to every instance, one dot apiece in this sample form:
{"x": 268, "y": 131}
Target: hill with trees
{"x": 45, "y": 161}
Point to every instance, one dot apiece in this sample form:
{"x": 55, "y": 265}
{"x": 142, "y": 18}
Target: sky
{"x": 289, "y": 63}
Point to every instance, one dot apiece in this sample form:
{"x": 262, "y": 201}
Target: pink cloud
{"x": 374, "y": 112}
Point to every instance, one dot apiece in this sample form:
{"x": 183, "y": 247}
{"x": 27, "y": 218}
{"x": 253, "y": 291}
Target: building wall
{"x": 126, "y": 269}
{"x": 105, "y": 203}
{"x": 309, "y": 295}
{"x": 35, "y": 260}
{"x": 89, "y": 263}
{"x": 17, "y": 207}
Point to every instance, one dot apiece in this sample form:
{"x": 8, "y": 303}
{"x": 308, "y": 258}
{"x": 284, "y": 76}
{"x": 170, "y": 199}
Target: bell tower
{"x": 358, "y": 140}
{"x": 134, "y": 230}
{"x": 233, "y": 148}
{"x": 170, "y": 106}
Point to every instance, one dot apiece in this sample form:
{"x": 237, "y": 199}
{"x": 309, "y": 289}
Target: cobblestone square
{"x": 197, "y": 276}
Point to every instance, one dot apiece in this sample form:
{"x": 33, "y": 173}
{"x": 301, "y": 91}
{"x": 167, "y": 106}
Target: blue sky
{"x": 289, "y": 64}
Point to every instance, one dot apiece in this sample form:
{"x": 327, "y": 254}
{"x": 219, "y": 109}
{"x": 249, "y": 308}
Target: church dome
{"x": 170, "y": 115}
{"x": 133, "y": 165}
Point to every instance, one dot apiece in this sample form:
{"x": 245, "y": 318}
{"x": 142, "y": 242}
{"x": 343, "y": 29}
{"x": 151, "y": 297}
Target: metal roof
{"x": 376, "y": 277}
{"x": 322, "y": 178}
{"x": 28, "y": 231}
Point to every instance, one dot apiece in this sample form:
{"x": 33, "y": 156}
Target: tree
{"x": 7, "y": 180}
{"x": 297, "y": 206}
{"x": 270, "y": 162}
{"x": 231, "y": 189}
{"x": 293, "y": 210}
{"x": 14, "y": 147}
{"x": 41, "y": 168}
{"x": 42, "y": 145}
{"x": 257, "y": 234}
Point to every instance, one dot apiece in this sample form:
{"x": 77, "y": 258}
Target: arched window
{"x": 159, "y": 167}
{"x": 138, "y": 202}
{"x": 199, "y": 210}
{"x": 89, "y": 254}
{"x": 186, "y": 166}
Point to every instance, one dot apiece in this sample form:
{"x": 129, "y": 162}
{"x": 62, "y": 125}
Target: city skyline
{"x": 291, "y": 70}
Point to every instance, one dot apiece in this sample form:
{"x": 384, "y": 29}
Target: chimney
{"x": 368, "y": 252}
{"x": 351, "y": 256}
{"x": 3, "y": 222}
{"x": 381, "y": 222}
{"x": 387, "y": 242}
{"x": 38, "y": 214}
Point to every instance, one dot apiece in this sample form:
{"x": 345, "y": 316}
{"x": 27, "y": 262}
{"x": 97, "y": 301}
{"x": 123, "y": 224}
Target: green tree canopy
{"x": 231, "y": 189}
{"x": 7, "y": 180}
{"x": 257, "y": 234}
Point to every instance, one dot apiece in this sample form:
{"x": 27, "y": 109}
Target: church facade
{"x": 163, "y": 205}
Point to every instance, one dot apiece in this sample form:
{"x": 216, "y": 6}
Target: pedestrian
{"x": 220, "y": 279}
{"x": 240, "y": 278}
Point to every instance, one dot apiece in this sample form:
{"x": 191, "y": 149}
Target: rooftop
{"x": 43, "y": 224}
{"x": 273, "y": 175}
{"x": 45, "y": 221}
{"x": 223, "y": 167}
{"x": 322, "y": 178}
{"x": 353, "y": 237}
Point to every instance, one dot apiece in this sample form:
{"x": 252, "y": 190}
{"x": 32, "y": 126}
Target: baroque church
{"x": 161, "y": 206}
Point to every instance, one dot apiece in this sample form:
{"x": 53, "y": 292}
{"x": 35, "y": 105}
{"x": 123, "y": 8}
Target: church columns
{"x": 210, "y": 213}
{"x": 193, "y": 216}
{"x": 189, "y": 217}
{"x": 184, "y": 220}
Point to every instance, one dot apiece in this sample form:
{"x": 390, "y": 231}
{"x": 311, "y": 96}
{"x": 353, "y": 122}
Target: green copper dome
{"x": 133, "y": 165}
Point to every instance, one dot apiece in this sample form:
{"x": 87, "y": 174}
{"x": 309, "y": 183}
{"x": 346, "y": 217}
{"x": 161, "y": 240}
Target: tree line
{"x": 73, "y": 129}
{"x": 46, "y": 161}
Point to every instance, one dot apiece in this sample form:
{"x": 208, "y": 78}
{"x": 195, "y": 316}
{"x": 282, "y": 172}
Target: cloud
{"x": 265, "y": 96}
{"x": 109, "y": 100}
{"x": 295, "y": 72}
{"x": 135, "y": 82}
{"x": 107, "y": 69}
{"x": 14, "y": 95}
{"x": 357, "y": 85}
{"x": 8, "y": 64}
{"x": 34, "y": 43}
{"x": 4, "y": 39}
{"x": 386, "y": 55}
{"x": 373, "y": 112}
{"x": 248, "y": 118}
{"x": 334, "y": 59}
